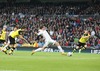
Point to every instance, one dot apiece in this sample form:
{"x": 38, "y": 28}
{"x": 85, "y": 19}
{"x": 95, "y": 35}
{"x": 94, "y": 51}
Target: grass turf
{"x": 45, "y": 61}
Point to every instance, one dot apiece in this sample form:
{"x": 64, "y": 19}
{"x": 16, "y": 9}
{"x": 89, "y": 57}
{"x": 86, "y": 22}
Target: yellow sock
{"x": 10, "y": 51}
{"x": 5, "y": 49}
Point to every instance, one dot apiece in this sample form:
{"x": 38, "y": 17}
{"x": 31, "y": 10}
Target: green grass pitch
{"x": 46, "y": 61}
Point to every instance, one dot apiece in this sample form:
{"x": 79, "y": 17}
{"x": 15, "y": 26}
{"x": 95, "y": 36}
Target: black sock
{"x": 12, "y": 49}
{"x": 8, "y": 48}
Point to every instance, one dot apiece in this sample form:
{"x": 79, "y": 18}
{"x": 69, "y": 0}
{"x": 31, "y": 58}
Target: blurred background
{"x": 65, "y": 20}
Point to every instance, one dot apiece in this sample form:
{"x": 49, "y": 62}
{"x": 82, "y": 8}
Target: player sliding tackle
{"x": 82, "y": 41}
{"x": 12, "y": 36}
{"x": 48, "y": 40}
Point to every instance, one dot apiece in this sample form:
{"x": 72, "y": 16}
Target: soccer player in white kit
{"x": 48, "y": 40}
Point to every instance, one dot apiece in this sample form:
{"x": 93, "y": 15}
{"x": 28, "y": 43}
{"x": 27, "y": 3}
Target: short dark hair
{"x": 41, "y": 26}
{"x": 23, "y": 27}
{"x": 17, "y": 26}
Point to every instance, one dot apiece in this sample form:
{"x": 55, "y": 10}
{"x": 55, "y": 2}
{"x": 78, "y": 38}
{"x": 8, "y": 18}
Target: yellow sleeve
{"x": 88, "y": 34}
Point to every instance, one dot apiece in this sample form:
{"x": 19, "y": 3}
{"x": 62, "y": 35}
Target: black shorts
{"x": 81, "y": 44}
{"x": 2, "y": 41}
{"x": 12, "y": 40}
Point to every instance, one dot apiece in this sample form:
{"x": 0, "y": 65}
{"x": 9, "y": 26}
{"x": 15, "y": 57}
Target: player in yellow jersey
{"x": 3, "y": 36}
{"x": 12, "y": 36}
{"x": 8, "y": 43}
{"x": 82, "y": 41}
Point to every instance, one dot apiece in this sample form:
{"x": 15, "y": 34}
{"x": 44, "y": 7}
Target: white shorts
{"x": 49, "y": 42}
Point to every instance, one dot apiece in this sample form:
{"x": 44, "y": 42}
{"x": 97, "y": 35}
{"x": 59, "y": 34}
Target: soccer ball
{"x": 69, "y": 54}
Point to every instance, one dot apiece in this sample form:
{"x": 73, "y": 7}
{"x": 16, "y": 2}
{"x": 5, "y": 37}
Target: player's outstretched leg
{"x": 5, "y": 51}
{"x": 76, "y": 48}
{"x": 0, "y": 48}
{"x": 11, "y": 51}
{"x": 81, "y": 49}
{"x": 59, "y": 47}
{"x": 39, "y": 49}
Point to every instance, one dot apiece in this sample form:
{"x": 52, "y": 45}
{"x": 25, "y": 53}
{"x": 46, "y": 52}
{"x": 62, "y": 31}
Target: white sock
{"x": 39, "y": 49}
{"x": 61, "y": 50}
{"x": 5, "y": 46}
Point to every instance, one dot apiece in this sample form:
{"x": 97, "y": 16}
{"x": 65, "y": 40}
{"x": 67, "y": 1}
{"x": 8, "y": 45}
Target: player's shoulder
{"x": 3, "y": 31}
{"x": 40, "y": 30}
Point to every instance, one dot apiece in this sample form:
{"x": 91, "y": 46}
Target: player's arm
{"x": 86, "y": 36}
{"x": 38, "y": 35}
{"x": 21, "y": 37}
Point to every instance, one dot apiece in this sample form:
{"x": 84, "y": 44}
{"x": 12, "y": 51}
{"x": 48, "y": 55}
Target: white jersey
{"x": 10, "y": 33}
{"x": 47, "y": 38}
{"x": 45, "y": 35}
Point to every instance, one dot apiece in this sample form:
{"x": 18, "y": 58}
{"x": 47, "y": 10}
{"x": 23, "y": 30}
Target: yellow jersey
{"x": 84, "y": 40}
{"x": 15, "y": 34}
{"x": 3, "y": 35}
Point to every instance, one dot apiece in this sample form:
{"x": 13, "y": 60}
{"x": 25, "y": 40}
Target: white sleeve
{"x": 39, "y": 33}
{"x": 10, "y": 33}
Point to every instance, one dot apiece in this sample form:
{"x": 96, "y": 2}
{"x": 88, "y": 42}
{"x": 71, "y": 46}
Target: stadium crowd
{"x": 63, "y": 21}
